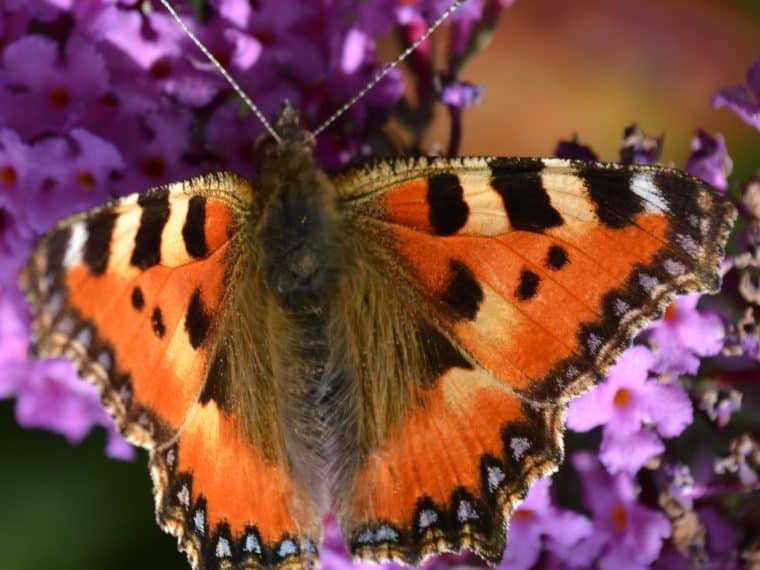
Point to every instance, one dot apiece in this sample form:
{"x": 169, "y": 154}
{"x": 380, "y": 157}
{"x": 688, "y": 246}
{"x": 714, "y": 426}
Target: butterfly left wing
{"x": 141, "y": 295}
{"x": 533, "y": 274}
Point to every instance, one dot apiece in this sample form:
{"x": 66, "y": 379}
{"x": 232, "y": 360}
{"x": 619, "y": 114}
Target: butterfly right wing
{"x": 140, "y": 294}
{"x": 521, "y": 281}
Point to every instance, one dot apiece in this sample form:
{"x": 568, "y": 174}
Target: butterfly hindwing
{"x": 136, "y": 293}
{"x": 451, "y": 471}
{"x": 538, "y": 272}
{"x": 230, "y": 507}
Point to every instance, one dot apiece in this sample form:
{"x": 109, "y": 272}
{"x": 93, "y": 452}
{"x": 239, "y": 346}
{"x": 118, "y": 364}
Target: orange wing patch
{"x": 228, "y": 506}
{"x": 449, "y": 474}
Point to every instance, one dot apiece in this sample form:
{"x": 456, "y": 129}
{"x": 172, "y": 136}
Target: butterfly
{"x": 395, "y": 344}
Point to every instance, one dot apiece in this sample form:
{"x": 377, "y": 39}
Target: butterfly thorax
{"x": 299, "y": 227}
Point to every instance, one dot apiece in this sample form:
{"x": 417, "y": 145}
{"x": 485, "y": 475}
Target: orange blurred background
{"x": 592, "y": 67}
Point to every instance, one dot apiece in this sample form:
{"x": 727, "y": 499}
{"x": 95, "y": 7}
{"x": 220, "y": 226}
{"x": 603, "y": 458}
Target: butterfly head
{"x": 299, "y": 228}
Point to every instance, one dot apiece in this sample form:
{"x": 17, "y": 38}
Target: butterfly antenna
{"x": 389, "y": 66}
{"x": 223, "y": 71}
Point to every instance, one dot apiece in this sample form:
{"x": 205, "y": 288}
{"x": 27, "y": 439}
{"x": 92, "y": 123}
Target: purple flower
{"x": 639, "y": 147}
{"x": 720, "y": 404}
{"x": 743, "y": 100}
{"x": 684, "y": 334}
{"x": 51, "y": 396}
{"x": 574, "y": 150}
{"x": 73, "y": 174}
{"x": 15, "y": 235}
{"x": 57, "y": 91}
{"x": 709, "y": 160}
{"x": 627, "y": 534}
{"x": 150, "y": 56}
{"x": 461, "y": 94}
{"x": 536, "y": 524}
{"x": 634, "y": 410}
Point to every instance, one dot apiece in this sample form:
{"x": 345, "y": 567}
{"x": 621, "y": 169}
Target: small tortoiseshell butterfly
{"x": 396, "y": 344}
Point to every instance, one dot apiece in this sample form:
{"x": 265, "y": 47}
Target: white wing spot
{"x": 519, "y": 446}
{"x": 308, "y": 546}
{"x": 66, "y": 325}
{"x": 84, "y": 336}
{"x": 223, "y": 548}
{"x": 287, "y": 547}
{"x": 466, "y": 512}
{"x": 170, "y": 458}
{"x": 495, "y": 478}
{"x": 688, "y": 244}
{"x": 693, "y": 220}
{"x": 674, "y": 268}
{"x": 104, "y": 359}
{"x": 427, "y": 518}
{"x": 252, "y": 544}
{"x": 365, "y": 537}
{"x": 643, "y": 185}
{"x": 621, "y": 307}
{"x": 200, "y": 521}
{"x": 55, "y": 303}
{"x": 386, "y": 534}
{"x": 73, "y": 255}
{"x": 593, "y": 342}
{"x": 184, "y": 496}
{"x": 648, "y": 282}
{"x": 125, "y": 394}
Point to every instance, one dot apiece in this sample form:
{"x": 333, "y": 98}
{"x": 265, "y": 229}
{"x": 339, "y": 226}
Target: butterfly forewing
{"x": 536, "y": 273}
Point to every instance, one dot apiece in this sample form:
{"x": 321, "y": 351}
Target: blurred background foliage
{"x": 554, "y": 69}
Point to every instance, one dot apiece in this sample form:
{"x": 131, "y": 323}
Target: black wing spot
{"x": 138, "y": 299}
{"x": 528, "y": 286}
{"x": 440, "y": 354}
{"x": 157, "y": 322}
{"x": 57, "y": 244}
{"x": 463, "y": 293}
{"x": 197, "y": 320}
{"x": 615, "y": 203}
{"x": 526, "y": 201}
{"x": 556, "y": 257}
{"x": 448, "y": 210}
{"x": 155, "y": 214}
{"x": 97, "y": 248}
{"x": 216, "y": 387}
{"x": 194, "y": 230}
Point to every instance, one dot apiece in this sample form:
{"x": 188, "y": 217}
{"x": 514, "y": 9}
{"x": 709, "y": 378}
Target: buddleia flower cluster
{"x": 103, "y": 98}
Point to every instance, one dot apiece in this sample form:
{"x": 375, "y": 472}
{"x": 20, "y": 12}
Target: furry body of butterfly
{"x": 396, "y": 344}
